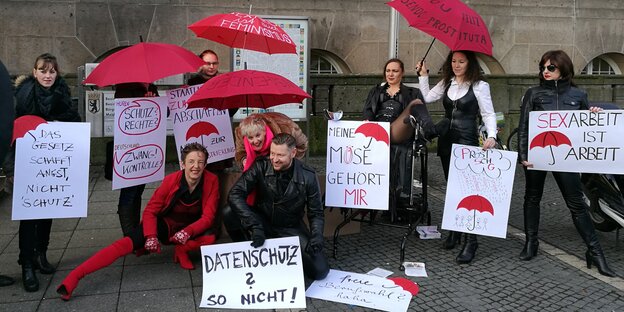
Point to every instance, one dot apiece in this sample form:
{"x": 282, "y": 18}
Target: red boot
{"x": 101, "y": 259}
{"x": 181, "y": 251}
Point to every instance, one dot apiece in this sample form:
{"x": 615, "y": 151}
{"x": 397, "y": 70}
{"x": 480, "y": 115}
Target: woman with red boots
{"x": 182, "y": 211}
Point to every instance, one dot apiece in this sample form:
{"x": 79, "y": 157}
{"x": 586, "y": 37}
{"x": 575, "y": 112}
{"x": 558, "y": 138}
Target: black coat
{"x": 7, "y": 112}
{"x": 371, "y": 106}
{"x": 550, "y": 95}
{"x": 277, "y": 210}
{"x": 53, "y": 104}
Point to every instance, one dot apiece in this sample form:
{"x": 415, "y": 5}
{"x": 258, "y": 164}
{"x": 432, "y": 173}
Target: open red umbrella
{"x": 144, "y": 62}
{"x": 450, "y": 21}
{"x": 550, "y": 139}
{"x": 245, "y": 31}
{"x": 199, "y": 129}
{"x": 246, "y": 88}
{"x": 374, "y": 131}
{"x": 476, "y": 203}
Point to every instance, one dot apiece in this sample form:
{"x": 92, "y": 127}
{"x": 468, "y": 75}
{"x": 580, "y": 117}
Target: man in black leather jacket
{"x": 284, "y": 188}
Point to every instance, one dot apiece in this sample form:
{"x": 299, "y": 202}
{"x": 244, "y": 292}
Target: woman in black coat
{"x": 44, "y": 94}
{"x": 556, "y": 92}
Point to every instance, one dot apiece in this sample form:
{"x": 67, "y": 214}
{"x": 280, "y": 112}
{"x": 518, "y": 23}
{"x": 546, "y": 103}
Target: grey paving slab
{"x": 91, "y": 303}
{"x": 23, "y": 306}
{"x": 93, "y": 238}
{"x": 101, "y": 208}
{"x": 104, "y": 221}
{"x": 72, "y": 257}
{"x": 104, "y": 196}
{"x": 154, "y": 276}
{"x": 68, "y": 224}
{"x": 171, "y": 299}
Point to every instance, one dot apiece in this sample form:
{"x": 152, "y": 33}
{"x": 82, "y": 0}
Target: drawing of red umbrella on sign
{"x": 25, "y": 123}
{"x": 450, "y": 21}
{"x": 247, "y": 88}
{"x": 144, "y": 62}
{"x": 245, "y": 31}
{"x": 374, "y": 131}
{"x": 476, "y": 203}
{"x": 199, "y": 129}
{"x": 550, "y": 139}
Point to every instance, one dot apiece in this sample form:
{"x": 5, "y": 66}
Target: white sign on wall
{"x": 52, "y": 172}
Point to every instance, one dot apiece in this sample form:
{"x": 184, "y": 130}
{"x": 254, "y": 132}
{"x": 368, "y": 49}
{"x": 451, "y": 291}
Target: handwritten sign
{"x": 52, "y": 172}
{"x": 140, "y": 138}
{"x": 208, "y": 126}
{"x": 238, "y": 276}
{"x": 577, "y": 141}
{"x": 357, "y": 164}
{"x": 479, "y": 190}
{"x": 362, "y": 290}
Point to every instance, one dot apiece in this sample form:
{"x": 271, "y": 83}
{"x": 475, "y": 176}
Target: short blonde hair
{"x": 252, "y": 124}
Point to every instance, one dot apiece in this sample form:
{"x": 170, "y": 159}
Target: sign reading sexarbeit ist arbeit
{"x": 577, "y": 141}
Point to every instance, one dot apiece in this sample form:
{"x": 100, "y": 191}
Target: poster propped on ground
{"x": 238, "y": 276}
{"x": 577, "y": 141}
{"x": 210, "y": 127}
{"x": 478, "y": 191}
{"x": 52, "y": 172}
{"x": 140, "y": 138}
{"x": 361, "y": 290}
{"x": 358, "y": 164}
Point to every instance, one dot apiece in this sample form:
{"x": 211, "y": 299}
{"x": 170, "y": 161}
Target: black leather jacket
{"x": 278, "y": 210}
{"x": 550, "y": 95}
{"x": 371, "y": 106}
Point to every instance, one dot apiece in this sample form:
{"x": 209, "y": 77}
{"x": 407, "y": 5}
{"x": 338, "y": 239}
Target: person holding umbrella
{"x": 464, "y": 95}
{"x": 181, "y": 211}
{"x": 44, "y": 94}
{"x": 206, "y": 71}
{"x": 556, "y": 91}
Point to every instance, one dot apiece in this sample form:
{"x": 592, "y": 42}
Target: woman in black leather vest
{"x": 465, "y": 95}
{"x": 555, "y": 92}
{"x": 390, "y": 102}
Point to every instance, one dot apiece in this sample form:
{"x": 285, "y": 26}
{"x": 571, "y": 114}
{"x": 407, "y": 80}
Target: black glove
{"x": 316, "y": 243}
{"x": 257, "y": 239}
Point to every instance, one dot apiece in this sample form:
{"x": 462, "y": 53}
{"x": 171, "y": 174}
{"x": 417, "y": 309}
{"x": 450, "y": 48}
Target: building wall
{"x": 354, "y": 30}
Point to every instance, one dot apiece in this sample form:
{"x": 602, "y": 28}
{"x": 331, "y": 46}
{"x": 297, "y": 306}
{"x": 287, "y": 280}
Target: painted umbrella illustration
{"x": 374, "y": 131}
{"x": 199, "y": 129}
{"x": 25, "y": 123}
{"x": 550, "y": 139}
{"x": 476, "y": 203}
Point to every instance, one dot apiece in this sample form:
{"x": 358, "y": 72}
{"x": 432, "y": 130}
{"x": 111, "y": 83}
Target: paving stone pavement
{"x": 556, "y": 280}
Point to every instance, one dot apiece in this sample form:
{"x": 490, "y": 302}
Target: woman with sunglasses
{"x": 465, "y": 96}
{"x": 556, "y": 92}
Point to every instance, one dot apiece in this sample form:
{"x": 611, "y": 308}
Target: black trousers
{"x": 569, "y": 184}
{"x": 34, "y": 235}
{"x": 315, "y": 265}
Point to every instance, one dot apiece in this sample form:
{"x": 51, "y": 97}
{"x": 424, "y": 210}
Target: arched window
{"x": 325, "y": 62}
{"x": 603, "y": 65}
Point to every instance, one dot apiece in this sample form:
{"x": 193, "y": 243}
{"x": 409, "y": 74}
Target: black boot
{"x": 594, "y": 254}
{"x": 452, "y": 239}
{"x": 41, "y": 262}
{"x": 468, "y": 250}
{"x": 126, "y": 219}
{"x": 531, "y": 225}
{"x": 29, "y": 278}
{"x": 6, "y": 281}
{"x": 431, "y": 130}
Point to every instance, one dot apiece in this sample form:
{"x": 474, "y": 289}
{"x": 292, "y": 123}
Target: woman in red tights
{"x": 181, "y": 211}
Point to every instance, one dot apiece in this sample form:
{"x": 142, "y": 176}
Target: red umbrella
{"x": 246, "y": 88}
{"x": 550, "y": 139}
{"x": 374, "y": 131}
{"x": 476, "y": 203}
{"x": 144, "y": 62}
{"x": 199, "y": 129}
{"x": 450, "y": 21}
{"x": 25, "y": 123}
{"x": 245, "y": 31}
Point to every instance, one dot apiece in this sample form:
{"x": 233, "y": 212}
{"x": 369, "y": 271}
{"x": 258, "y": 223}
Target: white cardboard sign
{"x": 478, "y": 191}
{"x": 52, "y": 172}
{"x": 358, "y": 162}
{"x": 239, "y": 276}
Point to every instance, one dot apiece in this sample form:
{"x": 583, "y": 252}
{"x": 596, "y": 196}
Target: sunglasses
{"x": 551, "y": 68}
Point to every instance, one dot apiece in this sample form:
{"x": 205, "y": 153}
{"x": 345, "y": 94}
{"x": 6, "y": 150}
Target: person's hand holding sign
{"x": 258, "y": 238}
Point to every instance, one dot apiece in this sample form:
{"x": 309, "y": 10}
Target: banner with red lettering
{"x": 358, "y": 162}
{"x": 140, "y": 138}
{"x": 478, "y": 191}
{"x": 209, "y": 127}
{"x": 577, "y": 141}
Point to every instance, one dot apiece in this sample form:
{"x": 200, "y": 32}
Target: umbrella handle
{"x": 552, "y": 155}
{"x": 474, "y": 220}
{"x": 424, "y": 57}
